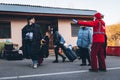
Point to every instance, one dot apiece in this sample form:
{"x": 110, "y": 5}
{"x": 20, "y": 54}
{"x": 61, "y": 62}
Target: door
{"x": 47, "y": 29}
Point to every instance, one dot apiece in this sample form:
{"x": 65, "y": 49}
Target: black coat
{"x": 57, "y": 38}
{"x": 34, "y": 46}
{"x": 45, "y": 48}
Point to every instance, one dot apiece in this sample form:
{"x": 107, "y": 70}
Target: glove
{"x": 75, "y": 21}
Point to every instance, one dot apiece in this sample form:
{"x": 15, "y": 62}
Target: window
{"x": 5, "y": 30}
{"x": 74, "y": 30}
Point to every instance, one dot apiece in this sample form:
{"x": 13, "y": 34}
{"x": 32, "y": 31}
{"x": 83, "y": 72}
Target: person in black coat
{"x": 45, "y": 47}
{"x": 58, "y": 42}
{"x": 31, "y": 38}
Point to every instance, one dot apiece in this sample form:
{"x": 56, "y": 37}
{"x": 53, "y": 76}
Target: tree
{"x": 113, "y": 34}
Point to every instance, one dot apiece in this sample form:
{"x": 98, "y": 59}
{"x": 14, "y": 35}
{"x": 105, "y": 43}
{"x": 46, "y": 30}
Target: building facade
{"x": 13, "y": 18}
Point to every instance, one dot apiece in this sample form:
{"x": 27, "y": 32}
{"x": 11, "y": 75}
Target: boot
{"x": 56, "y": 61}
{"x": 63, "y": 59}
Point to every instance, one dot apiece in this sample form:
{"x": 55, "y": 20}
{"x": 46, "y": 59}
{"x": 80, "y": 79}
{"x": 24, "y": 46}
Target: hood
{"x": 98, "y": 15}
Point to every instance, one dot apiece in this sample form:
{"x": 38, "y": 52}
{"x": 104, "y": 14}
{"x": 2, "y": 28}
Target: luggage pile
{"x": 44, "y": 50}
{"x": 10, "y": 53}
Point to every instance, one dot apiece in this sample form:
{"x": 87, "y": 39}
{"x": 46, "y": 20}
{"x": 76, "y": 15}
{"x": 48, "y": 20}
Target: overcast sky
{"x": 110, "y": 8}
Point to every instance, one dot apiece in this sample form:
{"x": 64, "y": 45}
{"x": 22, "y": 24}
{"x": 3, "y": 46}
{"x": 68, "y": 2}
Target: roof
{"x": 44, "y": 10}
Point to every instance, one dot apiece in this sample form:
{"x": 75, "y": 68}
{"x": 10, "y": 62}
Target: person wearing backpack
{"x": 58, "y": 42}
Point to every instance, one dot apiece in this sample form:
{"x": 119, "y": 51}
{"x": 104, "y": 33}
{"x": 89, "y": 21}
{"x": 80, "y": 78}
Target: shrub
{"x": 1, "y": 47}
{"x": 113, "y": 34}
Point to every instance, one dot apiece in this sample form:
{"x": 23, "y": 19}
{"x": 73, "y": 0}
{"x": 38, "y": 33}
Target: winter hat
{"x": 98, "y": 15}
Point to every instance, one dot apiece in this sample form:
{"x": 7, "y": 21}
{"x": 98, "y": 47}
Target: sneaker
{"x": 56, "y": 61}
{"x": 92, "y": 70}
{"x": 64, "y": 59}
{"x": 83, "y": 64}
{"x": 35, "y": 66}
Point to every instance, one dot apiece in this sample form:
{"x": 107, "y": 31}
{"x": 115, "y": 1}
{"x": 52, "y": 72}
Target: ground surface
{"x": 22, "y": 70}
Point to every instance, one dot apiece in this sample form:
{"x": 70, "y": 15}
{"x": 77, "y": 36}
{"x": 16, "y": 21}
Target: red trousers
{"x": 97, "y": 56}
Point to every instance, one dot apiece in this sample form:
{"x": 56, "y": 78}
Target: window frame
{"x": 73, "y": 26}
{"x": 7, "y": 36}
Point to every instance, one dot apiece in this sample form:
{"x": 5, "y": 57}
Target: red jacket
{"x": 98, "y": 29}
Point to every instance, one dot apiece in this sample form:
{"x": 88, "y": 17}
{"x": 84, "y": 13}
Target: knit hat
{"x": 98, "y": 15}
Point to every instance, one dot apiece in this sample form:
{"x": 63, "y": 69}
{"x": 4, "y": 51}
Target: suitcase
{"x": 78, "y": 53}
{"x": 70, "y": 54}
{"x": 13, "y": 55}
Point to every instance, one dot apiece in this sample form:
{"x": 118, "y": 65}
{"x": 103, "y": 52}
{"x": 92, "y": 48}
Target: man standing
{"x": 31, "y": 38}
{"x": 84, "y": 42}
{"x": 97, "y": 50}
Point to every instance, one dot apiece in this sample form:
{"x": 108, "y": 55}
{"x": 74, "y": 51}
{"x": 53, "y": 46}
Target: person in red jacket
{"x": 97, "y": 49}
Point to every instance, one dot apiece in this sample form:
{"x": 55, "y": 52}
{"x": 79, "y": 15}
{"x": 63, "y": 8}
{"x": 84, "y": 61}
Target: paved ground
{"x": 21, "y": 70}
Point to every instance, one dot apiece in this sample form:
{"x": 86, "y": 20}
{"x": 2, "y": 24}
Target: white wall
{"x": 64, "y": 27}
{"x": 16, "y": 26}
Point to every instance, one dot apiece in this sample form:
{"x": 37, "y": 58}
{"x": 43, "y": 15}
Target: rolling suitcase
{"x": 70, "y": 54}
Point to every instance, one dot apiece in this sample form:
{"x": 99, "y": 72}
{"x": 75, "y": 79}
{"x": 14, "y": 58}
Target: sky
{"x": 109, "y": 8}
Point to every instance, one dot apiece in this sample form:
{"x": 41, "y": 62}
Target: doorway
{"x": 46, "y": 26}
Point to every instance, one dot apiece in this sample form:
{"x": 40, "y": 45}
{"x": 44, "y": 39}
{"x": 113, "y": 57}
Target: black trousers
{"x": 85, "y": 55}
{"x": 56, "y": 49}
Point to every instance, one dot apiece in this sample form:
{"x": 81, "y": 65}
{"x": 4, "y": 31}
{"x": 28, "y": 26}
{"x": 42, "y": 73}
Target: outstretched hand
{"x": 75, "y": 21}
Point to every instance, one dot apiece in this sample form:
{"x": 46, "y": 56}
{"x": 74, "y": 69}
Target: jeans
{"x": 35, "y": 61}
